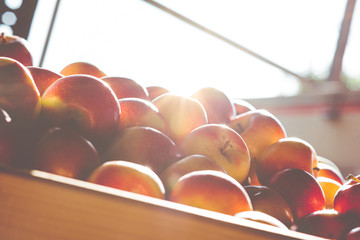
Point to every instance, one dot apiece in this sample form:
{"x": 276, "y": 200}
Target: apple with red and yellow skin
{"x": 269, "y": 201}
{"x": 218, "y": 106}
{"x": 300, "y": 190}
{"x": 82, "y": 68}
{"x": 261, "y": 217}
{"x": 181, "y": 114}
{"x": 211, "y": 190}
{"x": 186, "y": 165}
{"x": 330, "y": 187}
{"x": 259, "y": 129}
{"x": 223, "y": 145}
{"x": 128, "y": 176}
{"x": 142, "y": 145}
{"x": 328, "y": 171}
{"x": 64, "y": 152}
{"x": 43, "y": 77}
{"x": 347, "y": 198}
{"x": 70, "y": 102}
{"x": 15, "y": 47}
{"x": 19, "y": 96}
{"x": 290, "y": 152}
{"x": 155, "y": 91}
{"x": 7, "y": 139}
{"x": 126, "y": 88}
{"x": 327, "y": 223}
{"x": 140, "y": 112}
{"x": 242, "y": 106}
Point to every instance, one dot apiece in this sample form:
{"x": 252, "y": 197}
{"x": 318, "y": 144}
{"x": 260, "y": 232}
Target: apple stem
{"x": 352, "y": 177}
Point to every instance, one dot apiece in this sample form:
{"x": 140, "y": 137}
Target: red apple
{"x": 82, "y": 103}
{"x": 19, "y": 96}
{"x": 126, "y": 88}
{"x": 353, "y": 234}
{"x": 211, "y": 190}
{"x": 128, "y": 176}
{"x": 181, "y": 114}
{"x": 328, "y": 171}
{"x": 223, "y": 145}
{"x": 259, "y": 129}
{"x": 347, "y": 198}
{"x": 269, "y": 201}
{"x": 15, "y": 47}
{"x": 43, "y": 77}
{"x": 288, "y": 152}
{"x": 82, "y": 68}
{"x": 218, "y": 106}
{"x": 64, "y": 152}
{"x": 327, "y": 224}
{"x": 155, "y": 91}
{"x": 186, "y": 165}
{"x": 300, "y": 190}
{"x": 140, "y": 112}
{"x": 142, "y": 145}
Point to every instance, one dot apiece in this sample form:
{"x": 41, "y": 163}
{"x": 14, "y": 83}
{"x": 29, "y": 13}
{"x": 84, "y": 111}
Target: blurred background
{"x": 298, "y": 59}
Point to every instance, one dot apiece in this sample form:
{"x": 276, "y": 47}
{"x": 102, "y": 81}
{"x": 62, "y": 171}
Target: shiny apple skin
{"x": 327, "y": 224}
{"x": 155, "y": 91}
{"x": 83, "y": 103}
{"x": 259, "y": 129}
{"x": 353, "y": 234}
{"x": 126, "y": 87}
{"x": 181, "y": 114}
{"x": 262, "y": 217}
{"x": 128, "y": 176}
{"x": 222, "y": 144}
{"x": 211, "y": 190}
{"x": 300, "y": 190}
{"x": 347, "y": 198}
{"x": 19, "y": 96}
{"x": 142, "y": 145}
{"x": 242, "y": 106}
{"x": 269, "y": 201}
{"x": 82, "y": 68}
{"x": 64, "y": 152}
{"x": 218, "y": 106}
{"x": 43, "y": 77}
{"x": 15, "y": 47}
{"x": 140, "y": 112}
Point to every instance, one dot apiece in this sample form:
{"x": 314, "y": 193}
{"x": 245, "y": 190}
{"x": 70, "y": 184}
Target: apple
{"x": 328, "y": 171}
{"x": 353, "y": 234}
{"x": 347, "y": 198}
{"x": 327, "y": 224}
{"x": 43, "y": 77}
{"x": 83, "y": 103}
{"x": 242, "y": 106}
{"x": 128, "y": 176}
{"x": 15, "y": 47}
{"x": 140, "y": 112}
{"x": 330, "y": 187}
{"x": 300, "y": 190}
{"x": 259, "y": 129}
{"x": 142, "y": 145}
{"x": 222, "y": 144}
{"x": 126, "y": 88}
{"x": 155, "y": 91}
{"x": 211, "y": 190}
{"x": 289, "y": 152}
{"x": 218, "y": 106}
{"x": 82, "y": 68}
{"x": 252, "y": 178}
{"x": 181, "y": 114}
{"x": 186, "y": 165}
{"x": 261, "y": 217}
{"x": 19, "y": 96}
{"x": 7, "y": 139}
{"x": 269, "y": 201}
{"x": 64, "y": 152}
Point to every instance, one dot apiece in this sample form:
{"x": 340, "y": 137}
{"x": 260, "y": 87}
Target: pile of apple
{"x": 206, "y": 150}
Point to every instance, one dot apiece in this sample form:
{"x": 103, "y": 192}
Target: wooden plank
{"x": 37, "y": 205}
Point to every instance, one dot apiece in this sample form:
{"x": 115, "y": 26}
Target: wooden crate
{"x": 35, "y": 205}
